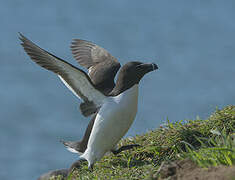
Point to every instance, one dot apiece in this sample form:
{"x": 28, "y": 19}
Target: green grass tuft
{"x": 219, "y": 150}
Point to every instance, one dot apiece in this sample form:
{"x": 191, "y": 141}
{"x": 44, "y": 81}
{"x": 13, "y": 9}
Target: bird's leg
{"x": 83, "y": 143}
{"x": 124, "y": 148}
{"x": 90, "y": 167}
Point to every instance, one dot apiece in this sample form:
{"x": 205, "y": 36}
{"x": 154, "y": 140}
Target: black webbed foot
{"x": 124, "y": 148}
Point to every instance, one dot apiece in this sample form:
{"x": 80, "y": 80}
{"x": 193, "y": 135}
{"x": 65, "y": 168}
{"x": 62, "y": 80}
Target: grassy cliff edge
{"x": 200, "y": 144}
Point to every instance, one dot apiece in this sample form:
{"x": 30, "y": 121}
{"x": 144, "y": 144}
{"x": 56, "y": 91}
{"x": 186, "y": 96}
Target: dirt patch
{"x": 187, "y": 170}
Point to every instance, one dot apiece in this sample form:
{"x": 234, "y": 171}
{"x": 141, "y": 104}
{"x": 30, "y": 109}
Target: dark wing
{"x": 102, "y": 66}
{"x": 75, "y": 79}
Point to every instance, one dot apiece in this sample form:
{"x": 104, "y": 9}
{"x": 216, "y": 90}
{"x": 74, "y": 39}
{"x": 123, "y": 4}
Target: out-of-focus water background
{"x": 193, "y": 42}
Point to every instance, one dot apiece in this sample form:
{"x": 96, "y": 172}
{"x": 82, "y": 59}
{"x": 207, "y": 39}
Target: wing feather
{"x": 101, "y": 64}
{"x": 74, "y": 78}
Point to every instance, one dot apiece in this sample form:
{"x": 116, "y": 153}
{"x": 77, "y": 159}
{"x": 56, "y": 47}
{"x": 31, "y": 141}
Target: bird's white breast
{"x": 111, "y": 124}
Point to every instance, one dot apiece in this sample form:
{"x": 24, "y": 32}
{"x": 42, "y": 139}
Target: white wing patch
{"x": 69, "y": 87}
{"x": 78, "y": 82}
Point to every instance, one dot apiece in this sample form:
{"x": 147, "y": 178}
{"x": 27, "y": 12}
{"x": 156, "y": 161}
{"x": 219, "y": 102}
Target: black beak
{"x": 154, "y": 66}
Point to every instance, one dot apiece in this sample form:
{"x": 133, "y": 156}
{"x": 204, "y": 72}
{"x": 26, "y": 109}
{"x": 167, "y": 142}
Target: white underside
{"x": 111, "y": 124}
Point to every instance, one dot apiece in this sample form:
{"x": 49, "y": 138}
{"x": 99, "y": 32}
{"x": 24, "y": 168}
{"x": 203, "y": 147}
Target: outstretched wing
{"x": 102, "y": 65}
{"x": 75, "y": 79}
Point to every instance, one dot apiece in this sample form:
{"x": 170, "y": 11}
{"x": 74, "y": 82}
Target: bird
{"x": 112, "y": 106}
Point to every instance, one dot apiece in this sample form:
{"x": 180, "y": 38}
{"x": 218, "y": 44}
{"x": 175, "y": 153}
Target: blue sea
{"x": 193, "y": 43}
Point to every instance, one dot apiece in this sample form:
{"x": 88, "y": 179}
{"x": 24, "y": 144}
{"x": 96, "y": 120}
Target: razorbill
{"x": 113, "y": 106}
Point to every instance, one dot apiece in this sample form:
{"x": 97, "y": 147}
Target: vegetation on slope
{"x": 207, "y": 142}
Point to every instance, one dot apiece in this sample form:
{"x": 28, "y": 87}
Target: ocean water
{"x": 192, "y": 42}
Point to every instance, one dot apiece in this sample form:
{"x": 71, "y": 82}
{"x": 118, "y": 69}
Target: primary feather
{"x": 74, "y": 78}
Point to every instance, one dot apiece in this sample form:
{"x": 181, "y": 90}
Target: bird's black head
{"x": 130, "y": 74}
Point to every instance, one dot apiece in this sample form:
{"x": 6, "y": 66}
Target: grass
{"x": 214, "y": 151}
{"x": 208, "y": 142}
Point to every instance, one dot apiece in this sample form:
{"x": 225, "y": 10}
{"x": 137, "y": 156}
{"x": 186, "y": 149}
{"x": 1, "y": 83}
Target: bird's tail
{"x": 73, "y": 146}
